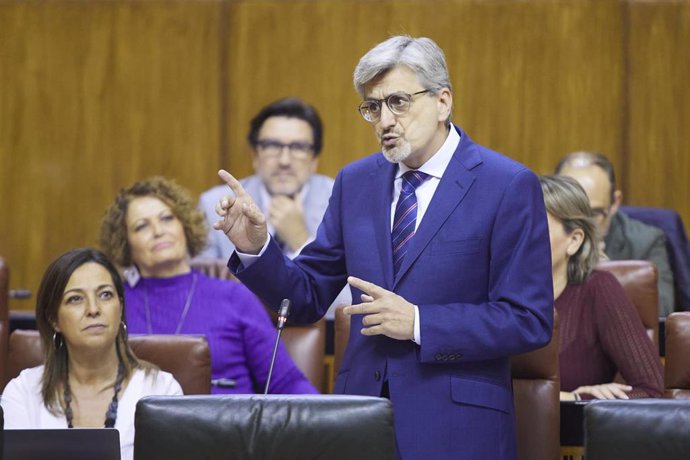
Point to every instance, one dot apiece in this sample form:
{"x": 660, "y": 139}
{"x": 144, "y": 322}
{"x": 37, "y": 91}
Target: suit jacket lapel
{"x": 452, "y": 189}
{"x": 382, "y": 179}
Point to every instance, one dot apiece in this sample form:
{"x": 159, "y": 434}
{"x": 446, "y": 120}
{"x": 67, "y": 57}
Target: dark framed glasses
{"x": 398, "y": 103}
{"x": 269, "y": 148}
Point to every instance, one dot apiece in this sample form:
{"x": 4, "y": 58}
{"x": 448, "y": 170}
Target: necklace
{"x": 110, "y": 414}
{"x": 183, "y": 315}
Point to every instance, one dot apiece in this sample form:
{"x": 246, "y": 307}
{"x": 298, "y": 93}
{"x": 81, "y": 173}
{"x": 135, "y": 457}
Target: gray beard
{"x": 398, "y": 154}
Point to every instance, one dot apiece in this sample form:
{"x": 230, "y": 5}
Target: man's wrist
{"x": 249, "y": 259}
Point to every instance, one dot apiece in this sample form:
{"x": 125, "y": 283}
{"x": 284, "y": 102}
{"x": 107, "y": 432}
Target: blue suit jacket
{"x": 479, "y": 268}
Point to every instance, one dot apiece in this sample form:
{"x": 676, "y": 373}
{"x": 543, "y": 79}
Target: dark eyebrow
{"x": 82, "y": 290}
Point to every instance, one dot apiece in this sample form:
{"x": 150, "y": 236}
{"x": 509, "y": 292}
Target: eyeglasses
{"x": 600, "y": 214}
{"x": 399, "y": 103}
{"x": 273, "y": 149}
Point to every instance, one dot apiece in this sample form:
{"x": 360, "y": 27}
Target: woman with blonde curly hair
{"x": 600, "y": 330}
{"x": 155, "y": 227}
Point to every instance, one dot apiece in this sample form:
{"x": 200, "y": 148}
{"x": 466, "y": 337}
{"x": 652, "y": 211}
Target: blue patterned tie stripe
{"x": 405, "y": 216}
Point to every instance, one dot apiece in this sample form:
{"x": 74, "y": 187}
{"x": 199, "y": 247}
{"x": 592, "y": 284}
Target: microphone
{"x": 283, "y": 314}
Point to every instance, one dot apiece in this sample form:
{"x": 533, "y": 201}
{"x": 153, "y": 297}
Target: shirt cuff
{"x": 249, "y": 259}
{"x": 417, "y": 334}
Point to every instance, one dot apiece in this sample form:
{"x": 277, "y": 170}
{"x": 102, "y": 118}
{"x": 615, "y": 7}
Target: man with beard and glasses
{"x": 286, "y": 140}
{"x": 446, "y": 244}
{"x": 621, "y": 236}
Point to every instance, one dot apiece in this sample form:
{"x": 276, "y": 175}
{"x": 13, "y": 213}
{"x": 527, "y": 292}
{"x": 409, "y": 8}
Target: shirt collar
{"x": 437, "y": 164}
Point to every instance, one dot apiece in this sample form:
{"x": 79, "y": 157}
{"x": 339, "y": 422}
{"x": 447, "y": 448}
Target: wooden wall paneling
{"x": 659, "y": 98}
{"x": 97, "y": 95}
{"x": 536, "y": 80}
{"x": 310, "y": 52}
{"x": 531, "y": 79}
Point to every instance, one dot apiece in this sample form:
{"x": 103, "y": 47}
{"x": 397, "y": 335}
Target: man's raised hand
{"x": 241, "y": 220}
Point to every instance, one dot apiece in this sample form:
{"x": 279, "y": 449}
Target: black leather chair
{"x": 641, "y": 429}
{"x": 264, "y": 427}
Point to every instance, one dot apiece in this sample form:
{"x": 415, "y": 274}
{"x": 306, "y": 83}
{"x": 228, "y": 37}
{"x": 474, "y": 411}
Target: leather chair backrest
{"x": 4, "y": 319}
{"x": 677, "y": 368}
{"x": 536, "y": 396}
{"x": 639, "y": 280}
{"x": 306, "y": 344}
{"x": 186, "y": 357}
{"x": 677, "y": 245}
{"x": 214, "y": 268}
{"x": 256, "y": 426}
{"x": 341, "y": 337}
{"x": 638, "y": 429}
{"x": 536, "y": 390}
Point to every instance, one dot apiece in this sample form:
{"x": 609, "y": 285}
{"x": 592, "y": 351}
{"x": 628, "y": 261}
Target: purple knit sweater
{"x": 601, "y": 333}
{"x": 239, "y": 331}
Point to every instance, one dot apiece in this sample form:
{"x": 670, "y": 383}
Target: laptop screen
{"x": 67, "y": 444}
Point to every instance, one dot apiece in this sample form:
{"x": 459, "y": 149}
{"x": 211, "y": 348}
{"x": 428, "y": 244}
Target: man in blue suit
{"x": 446, "y": 244}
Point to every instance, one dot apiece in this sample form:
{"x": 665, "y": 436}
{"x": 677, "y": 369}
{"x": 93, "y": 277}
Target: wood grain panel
{"x": 310, "y": 52}
{"x": 94, "y": 96}
{"x": 532, "y": 79}
{"x": 659, "y": 151}
{"x": 97, "y": 94}
{"x": 539, "y": 79}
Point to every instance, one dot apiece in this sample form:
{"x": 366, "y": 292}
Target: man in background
{"x": 286, "y": 137}
{"x": 623, "y": 238}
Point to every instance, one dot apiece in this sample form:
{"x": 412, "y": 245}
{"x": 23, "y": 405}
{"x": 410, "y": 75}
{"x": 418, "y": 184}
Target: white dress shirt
{"x": 434, "y": 167}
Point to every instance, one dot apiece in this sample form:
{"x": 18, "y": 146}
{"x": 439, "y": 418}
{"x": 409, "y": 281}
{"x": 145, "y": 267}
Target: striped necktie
{"x": 405, "y": 216}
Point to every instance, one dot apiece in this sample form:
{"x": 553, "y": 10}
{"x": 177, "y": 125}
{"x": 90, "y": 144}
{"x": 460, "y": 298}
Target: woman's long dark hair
{"x": 48, "y": 302}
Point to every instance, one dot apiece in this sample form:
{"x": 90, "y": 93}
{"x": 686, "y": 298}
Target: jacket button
{"x": 377, "y": 375}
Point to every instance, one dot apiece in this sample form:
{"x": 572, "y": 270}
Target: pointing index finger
{"x": 365, "y": 286}
{"x": 233, "y": 183}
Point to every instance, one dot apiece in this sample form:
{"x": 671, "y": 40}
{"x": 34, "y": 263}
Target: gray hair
{"x": 422, "y": 55}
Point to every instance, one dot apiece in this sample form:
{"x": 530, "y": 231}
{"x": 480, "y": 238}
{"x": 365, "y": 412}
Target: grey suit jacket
{"x": 315, "y": 203}
{"x": 630, "y": 239}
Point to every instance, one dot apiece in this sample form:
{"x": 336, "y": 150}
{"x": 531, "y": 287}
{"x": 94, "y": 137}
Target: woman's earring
{"x": 57, "y": 340}
{"x": 124, "y": 327}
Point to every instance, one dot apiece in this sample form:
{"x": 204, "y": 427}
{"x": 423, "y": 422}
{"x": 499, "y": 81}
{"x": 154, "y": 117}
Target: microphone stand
{"x": 283, "y": 313}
